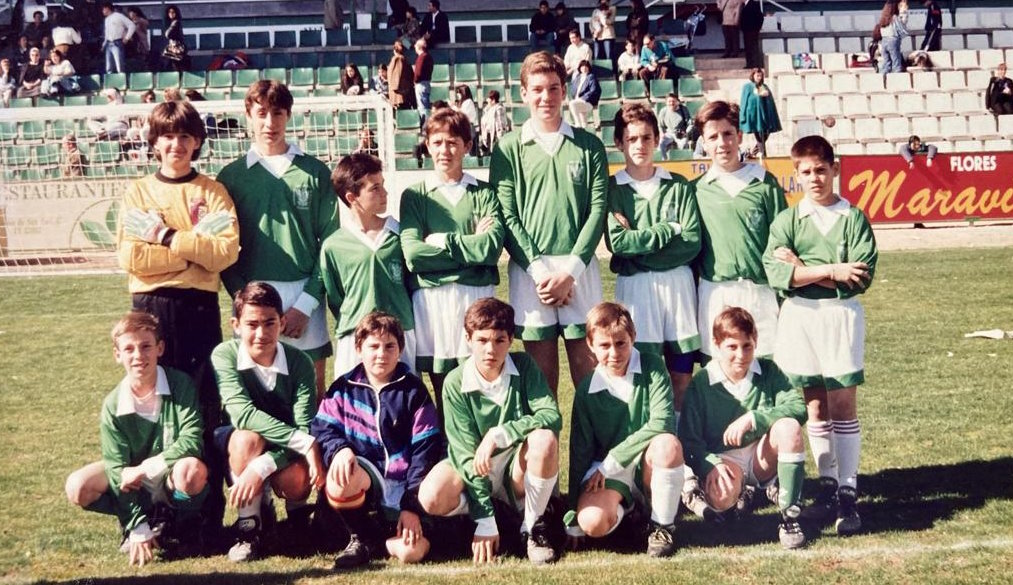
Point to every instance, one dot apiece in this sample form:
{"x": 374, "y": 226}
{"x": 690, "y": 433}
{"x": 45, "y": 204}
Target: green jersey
{"x": 552, "y": 204}
{"x": 524, "y": 403}
{"x": 282, "y": 221}
{"x": 281, "y": 415}
{"x": 816, "y": 243}
{"x": 735, "y": 227}
{"x": 129, "y": 439}
{"x": 709, "y": 407}
{"x": 363, "y": 275}
{"x": 614, "y": 420}
{"x": 652, "y": 243}
{"x": 462, "y": 256}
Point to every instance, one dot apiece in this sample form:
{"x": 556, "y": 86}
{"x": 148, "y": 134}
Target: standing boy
{"x": 362, "y": 263}
{"x": 622, "y": 439}
{"x": 822, "y": 255}
{"x": 741, "y": 426}
{"x": 286, "y": 210}
{"x": 380, "y": 436}
{"x": 150, "y": 430}
{"x": 502, "y": 424}
{"x": 268, "y": 393}
{"x": 552, "y": 182}
{"x": 452, "y": 236}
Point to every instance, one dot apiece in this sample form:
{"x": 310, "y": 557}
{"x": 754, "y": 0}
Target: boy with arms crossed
{"x": 380, "y": 436}
{"x": 552, "y": 182}
{"x": 362, "y": 265}
{"x": 622, "y": 437}
{"x": 150, "y": 430}
{"x": 822, "y": 254}
{"x": 741, "y": 425}
{"x": 502, "y": 424}
{"x": 268, "y": 393}
{"x": 286, "y": 210}
{"x": 452, "y": 237}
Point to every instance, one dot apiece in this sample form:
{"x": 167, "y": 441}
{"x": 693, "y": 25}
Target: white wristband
{"x": 263, "y": 465}
{"x": 486, "y": 527}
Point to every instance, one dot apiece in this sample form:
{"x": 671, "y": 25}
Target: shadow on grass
{"x": 260, "y": 578}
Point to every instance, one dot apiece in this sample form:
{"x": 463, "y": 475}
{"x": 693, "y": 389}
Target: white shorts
{"x": 536, "y": 321}
{"x": 346, "y": 358}
{"x": 758, "y": 299}
{"x": 663, "y": 307}
{"x": 821, "y": 342}
{"x": 440, "y": 343}
{"x": 315, "y": 339}
{"x": 743, "y": 457}
{"x": 626, "y": 482}
{"x": 500, "y": 476}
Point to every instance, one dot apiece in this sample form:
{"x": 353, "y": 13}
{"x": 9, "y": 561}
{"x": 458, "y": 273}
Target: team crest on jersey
{"x": 756, "y": 219}
{"x": 302, "y": 197}
{"x": 168, "y": 437}
{"x": 575, "y": 168}
{"x": 395, "y": 272}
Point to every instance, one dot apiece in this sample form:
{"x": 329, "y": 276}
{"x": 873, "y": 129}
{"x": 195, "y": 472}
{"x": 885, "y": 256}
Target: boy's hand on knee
{"x": 316, "y": 466}
{"x": 720, "y": 480}
{"x": 409, "y": 527}
{"x": 738, "y": 429}
{"x": 483, "y": 548}
{"x": 131, "y": 478}
{"x": 247, "y": 486}
{"x": 597, "y": 482}
{"x": 342, "y": 467}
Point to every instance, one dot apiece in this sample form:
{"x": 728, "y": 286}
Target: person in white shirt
{"x": 118, "y": 29}
{"x": 628, "y": 63}
{"x": 62, "y": 77}
{"x": 577, "y": 51}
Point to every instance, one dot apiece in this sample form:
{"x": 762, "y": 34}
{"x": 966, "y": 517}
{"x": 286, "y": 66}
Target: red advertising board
{"x": 957, "y": 186}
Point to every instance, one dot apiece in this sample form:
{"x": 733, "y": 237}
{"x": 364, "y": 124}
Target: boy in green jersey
{"x": 501, "y": 425}
{"x": 150, "y": 429}
{"x": 622, "y": 438}
{"x": 362, "y": 265}
{"x": 738, "y": 201}
{"x": 552, "y": 182}
{"x": 822, "y": 254}
{"x": 741, "y": 425}
{"x": 452, "y": 236}
{"x": 286, "y": 209}
{"x": 268, "y": 393}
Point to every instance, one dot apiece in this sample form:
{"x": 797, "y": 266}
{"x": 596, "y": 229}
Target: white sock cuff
{"x": 620, "y": 512}
{"x": 791, "y": 457}
{"x": 539, "y": 482}
{"x": 847, "y": 427}
{"x": 668, "y": 473}
{"x": 819, "y": 428}
{"x": 462, "y": 506}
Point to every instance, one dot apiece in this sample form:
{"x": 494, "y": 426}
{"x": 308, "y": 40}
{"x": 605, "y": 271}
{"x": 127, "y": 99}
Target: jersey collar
{"x": 806, "y": 207}
{"x": 621, "y": 388}
{"x": 472, "y": 381}
{"x": 715, "y": 375}
{"x": 253, "y": 157}
{"x": 624, "y": 178}
{"x": 390, "y": 225}
{"x": 125, "y": 402}
{"x": 245, "y": 362}
{"x": 747, "y": 173}
{"x": 529, "y": 134}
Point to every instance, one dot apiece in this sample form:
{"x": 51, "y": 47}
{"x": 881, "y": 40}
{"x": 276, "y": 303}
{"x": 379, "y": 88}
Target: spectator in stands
{"x": 585, "y": 93}
{"x": 171, "y": 94}
{"x": 118, "y": 30}
{"x": 351, "y": 80}
{"x": 139, "y": 44}
{"x": 422, "y": 74}
{"x": 37, "y": 28}
{"x": 73, "y": 160}
{"x": 67, "y": 39}
{"x": 999, "y": 95}
{"x": 173, "y": 32}
{"x": 893, "y": 28}
{"x": 576, "y": 53}
{"x": 61, "y": 77}
{"x": 603, "y": 30}
{"x": 655, "y": 60}
{"x": 113, "y": 126}
{"x": 913, "y": 146}
{"x": 637, "y": 22}
{"x": 758, "y": 111}
{"x": 465, "y": 103}
{"x": 45, "y": 47}
{"x": 32, "y": 74}
{"x": 675, "y": 122}
{"x": 628, "y": 64}
{"x": 750, "y": 23}
{"x": 730, "y": 10}
{"x": 31, "y": 7}
{"x": 148, "y": 97}
{"x": 875, "y": 49}
{"x": 8, "y": 81}
{"x": 933, "y": 26}
{"x": 412, "y": 28}
{"x": 436, "y": 25}
{"x": 398, "y": 12}
{"x": 366, "y": 143}
{"x": 542, "y": 29}
{"x": 495, "y": 122}
{"x": 21, "y": 53}
{"x": 564, "y": 23}
{"x": 380, "y": 84}
{"x": 402, "y": 85}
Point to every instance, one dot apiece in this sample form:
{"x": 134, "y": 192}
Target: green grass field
{"x": 937, "y": 464}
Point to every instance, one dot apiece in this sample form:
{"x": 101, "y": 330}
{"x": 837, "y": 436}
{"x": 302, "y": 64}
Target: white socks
{"x": 666, "y": 489}
{"x": 537, "y": 491}
{"x": 848, "y": 443}
{"x": 821, "y": 443}
{"x": 252, "y": 510}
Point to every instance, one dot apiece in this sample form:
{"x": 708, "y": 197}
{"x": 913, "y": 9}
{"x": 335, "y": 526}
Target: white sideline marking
{"x": 718, "y": 554}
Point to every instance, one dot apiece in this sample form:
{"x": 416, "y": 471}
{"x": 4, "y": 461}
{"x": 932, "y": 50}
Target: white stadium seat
{"x": 998, "y": 145}
{"x": 916, "y": 20}
{"x": 883, "y": 106}
{"x": 952, "y": 42}
{"x": 1002, "y": 38}
{"x": 790, "y": 84}
{"x": 849, "y": 44}
{"x": 911, "y": 105}
{"x": 954, "y": 127}
{"x": 855, "y": 105}
{"x": 939, "y": 104}
{"x": 978, "y": 79}
{"x": 798, "y": 107}
{"x": 840, "y": 22}
{"x": 926, "y": 127}
{"x": 778, "y": 63}
{"x": 799, "y": 45}
{"x": 815, "y": 24}
{"x": 925, "y": 81}
{"x": 941, "y": 59}
{"x": 823, "y": 44}
{"x": 896, "y": 129}
{"x": 843, "y": 131}
{"x": 850, "y": 148}
{"x": 880, "y": 148}
{"x": 791, "y": 24}
{"x": 771, "y": 46}
{"x": 977, "y": 41}
{"x": 952, "y": 81}
{"x": 990, "y": 19}
{"x": 983, "y": 126}
{"x": 967, "y": 102}
{"x": 870, "y": 83}
{"x": 817, "y": 84}
{"x": 898, "y": 82}
{"x": 843, "y": 83}
{"x": 966, "y": 18}
{"x": 965, "y": 59}
{"x": 868, "y": 130}
{"x": 769, "y": 25}
{"x": 827, "y": 105}
{"x": 989, "y": 59}
{"x": 967, "y": 146}
{"x": 944, "y": 146}
{"x": 834, "y": 62}
{"x": 865, "y": 21}
{"x": 1006, "y": 125}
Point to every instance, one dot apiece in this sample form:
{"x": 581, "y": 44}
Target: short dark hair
{"x": 449, "y": 120}
{"x": 378, "y": 323}
{"x": 435, "y": 3}
{"x": 542, "y": 62}
{"x": 257, "y": 294}
{"x": 812, "y": 146}
{"x": 493, "y": 95}
{"x": 632, "y": 112}
{"x": 715, "y": 111}
{"x": 350, "y": 172}
{"x": 489, "y": 313}
{"x": 269, "y": 93}
{"x": 733, "y": 320}
{"x": 176, "y": 117}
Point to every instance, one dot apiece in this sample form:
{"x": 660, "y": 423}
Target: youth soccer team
{"x": 699, "y": 266}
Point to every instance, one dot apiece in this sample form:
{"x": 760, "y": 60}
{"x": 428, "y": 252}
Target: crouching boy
{"x": 378, "y": 430}
{"x": 741, "y": 425}
{"x": 623, "y": 435}
{"x": 502, "y": 424}
{"x": 150, "y": 430}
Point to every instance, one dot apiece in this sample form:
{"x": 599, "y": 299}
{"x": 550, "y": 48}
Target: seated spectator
{"x": 628, "y": 63}
{"x": 915, "y": 146}
{"x": 37, "y": 28}
{"x": 171, "y": 94}
{"x": 366, "y": 142}
{"x": 73, "y": 160}
{"x": 435, "y": 26}
{"x": 564, "y": 24}
{"x": 541, "y": 31}
{"x": 576, "y": 53}
{"x": 655, "y": 59}
{"x": 62, "y": 79}
{"x": 586, "y": 92}
{"x": 379, "y": 83}
{"x": 32, "y": 74}
{"x": 351, "y": 80}
{"x": 674, "y": 120}
{"x": 21, "y": 53}
{"x": 139, "y": 44}
{"x": 113, "y": 126}
{"x": 8, "y": 82}
{"x": 999, "y": 95}
{"x": 148, "y": 97}
{"x": 495, "y": 122}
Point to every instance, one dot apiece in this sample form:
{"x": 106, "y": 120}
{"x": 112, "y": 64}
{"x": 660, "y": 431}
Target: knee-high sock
{"x": 821, "y": 443}
{"x": 537, "y": 491}
{"x": 848, "y": 444}
{"x": 790, "y": 475}
{"x": 666, "y": 493}
{"x": 252, "y": 510}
